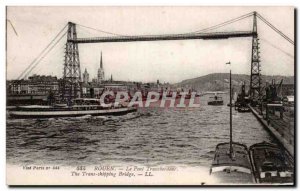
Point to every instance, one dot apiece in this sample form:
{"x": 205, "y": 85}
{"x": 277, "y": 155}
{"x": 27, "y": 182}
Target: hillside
{"x": 220, "y": 81}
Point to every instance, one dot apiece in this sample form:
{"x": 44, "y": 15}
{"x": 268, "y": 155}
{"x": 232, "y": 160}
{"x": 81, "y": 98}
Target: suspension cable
{"x": 202, "y": 30}
{"x": 275, "y": 29}
{"x": 28, "y": 72}
{"x": 106, "y": 32}
{"x": 40, "y": 57}
{"x": 225, "y": 23}
{"x": 276, "y": 47}
{"x": 43, "y": 51}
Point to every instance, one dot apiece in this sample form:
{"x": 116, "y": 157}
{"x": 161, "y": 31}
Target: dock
{"x": 282, "y": 130}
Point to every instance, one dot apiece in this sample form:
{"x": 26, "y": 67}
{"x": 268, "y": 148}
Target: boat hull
{"x": 215, "y": 103}
{"x": 232, "y": 170}
{"x": 271, "y": 164}
{"x": 243, "y": 109}
{"x": 70, "y": 113}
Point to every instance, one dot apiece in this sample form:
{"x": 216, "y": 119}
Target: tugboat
{"x": 231, "y": 163}
{"x": 243, "y": 107}
{"x": 82, "y": 106}
{"x": 215, "y": 100}
{"x": 271, "y": 164}
{"x": 243, "y": 100}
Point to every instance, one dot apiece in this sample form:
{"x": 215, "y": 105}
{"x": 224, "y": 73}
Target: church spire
{"x": 100, "y": 70}
{"x": 101, "y": 64}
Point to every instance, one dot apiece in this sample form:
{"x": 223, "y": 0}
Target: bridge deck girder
{"x": 204, "y": 36}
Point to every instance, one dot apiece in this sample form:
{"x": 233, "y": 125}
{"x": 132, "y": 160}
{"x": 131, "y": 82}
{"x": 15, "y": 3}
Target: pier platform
{"x": 280, "y": 128}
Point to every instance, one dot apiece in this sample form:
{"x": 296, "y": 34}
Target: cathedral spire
{"x": 100, "y": 70}
{"x": 101, "y": 64}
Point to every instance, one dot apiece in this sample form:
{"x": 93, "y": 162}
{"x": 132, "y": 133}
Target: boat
{"x": 215, "y": 100}
{"x": 243, "y": 108}
{"x": 231, "y": 162}
{"x": 271, "y": 164}
{"x": 86, "y": 107}
{"x": 242, "y": 101}
{"x": 232, "y": 167}
{"x": 242, "y": 105}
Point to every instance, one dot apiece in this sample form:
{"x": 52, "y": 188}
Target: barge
{"x": 271, "y": 164}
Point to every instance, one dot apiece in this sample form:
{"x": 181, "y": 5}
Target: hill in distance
{"x": 220, "y": 81}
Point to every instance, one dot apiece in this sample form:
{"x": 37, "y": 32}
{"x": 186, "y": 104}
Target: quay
{"x": 280, "y": 129}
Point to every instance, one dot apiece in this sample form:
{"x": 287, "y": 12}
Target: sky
{"x": 167, "y": 61}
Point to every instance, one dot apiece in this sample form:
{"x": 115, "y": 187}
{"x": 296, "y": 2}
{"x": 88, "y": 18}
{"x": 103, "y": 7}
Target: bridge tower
{"x": 71, "y": 87}
{"x": 255, "y": 78}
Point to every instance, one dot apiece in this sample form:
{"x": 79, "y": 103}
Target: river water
{"x": 152, "y": 136}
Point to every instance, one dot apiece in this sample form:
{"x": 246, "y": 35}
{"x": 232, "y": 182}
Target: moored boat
{"x": 243, "y": 109}
{"x": 271, "y": 164}
{"x": 232, "y": 167}
{"x": 231, "y": 163}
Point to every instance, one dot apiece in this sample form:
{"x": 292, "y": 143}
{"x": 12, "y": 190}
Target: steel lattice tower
{"x": 255, "y": 78}
{"x": 72, "y": 74}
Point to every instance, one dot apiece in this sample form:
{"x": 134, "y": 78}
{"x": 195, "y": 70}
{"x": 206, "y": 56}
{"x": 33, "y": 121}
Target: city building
{"x": 34, "y": 90}
{"x": 35, "y": 84}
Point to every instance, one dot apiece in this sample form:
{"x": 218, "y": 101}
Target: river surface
{"x": 152, "y": 136}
